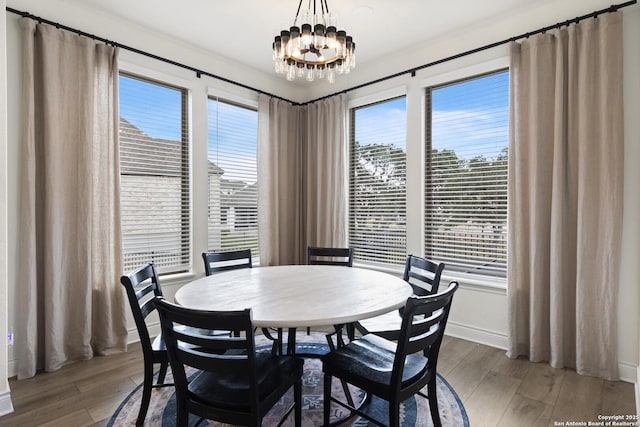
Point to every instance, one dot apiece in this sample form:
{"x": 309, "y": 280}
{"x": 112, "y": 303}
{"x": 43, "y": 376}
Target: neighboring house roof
{"x": 239, "y": 194}
{"x": 161, "y": 154}
{"x": 215, "y": 169}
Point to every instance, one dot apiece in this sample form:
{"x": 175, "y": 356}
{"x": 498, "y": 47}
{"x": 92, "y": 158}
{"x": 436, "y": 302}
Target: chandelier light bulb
{"x": 291, "y": 72}
{"x": 313, "y": 47}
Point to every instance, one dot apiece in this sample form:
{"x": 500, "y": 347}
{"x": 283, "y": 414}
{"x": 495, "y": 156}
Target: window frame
{"x": 240, "y": 102}
{"x": 498, "y": 64}
{"x": 157, "y": 77}
{"x": 360, "y": 102}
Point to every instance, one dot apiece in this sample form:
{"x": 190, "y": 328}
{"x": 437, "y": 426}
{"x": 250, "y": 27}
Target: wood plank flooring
{"x": 495, "y": 390}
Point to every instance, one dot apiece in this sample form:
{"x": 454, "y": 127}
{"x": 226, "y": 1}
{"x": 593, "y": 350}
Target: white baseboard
{"x": 637, "y": 390}
{"x": 153, "y": 328}
{"x": 5, "y": 404}
{"x": 628, "y": 373}
{"x": 12, "y": 368}
{"x": 479, "y": 335}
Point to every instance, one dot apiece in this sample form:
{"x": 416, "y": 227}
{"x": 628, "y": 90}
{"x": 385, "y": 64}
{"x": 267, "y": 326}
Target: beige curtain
{"x": 280, "y": 220}
{"x": 70, "y": 303}
{"x": 325, "y": 173}
{"x": 565, "y": 196}
{"x": 302, "y": 164}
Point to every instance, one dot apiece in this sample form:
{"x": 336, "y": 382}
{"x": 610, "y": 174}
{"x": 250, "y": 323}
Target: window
{"x": 466, "y": 174}
{"x": 377, "y": 183}
{"x": 154, "y": 175}
{"x": 233, "y": 177}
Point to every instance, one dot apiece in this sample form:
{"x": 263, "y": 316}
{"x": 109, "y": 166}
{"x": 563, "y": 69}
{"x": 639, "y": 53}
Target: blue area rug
{"x": 414, "y": 411}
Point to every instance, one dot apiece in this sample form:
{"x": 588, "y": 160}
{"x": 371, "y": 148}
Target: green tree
{"x": 380, "y": 174}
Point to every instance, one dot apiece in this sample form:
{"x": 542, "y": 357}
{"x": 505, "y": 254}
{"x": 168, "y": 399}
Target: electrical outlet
{"x": 10, "y": 337}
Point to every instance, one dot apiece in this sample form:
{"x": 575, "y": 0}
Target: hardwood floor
{"x": 495, "y": 390}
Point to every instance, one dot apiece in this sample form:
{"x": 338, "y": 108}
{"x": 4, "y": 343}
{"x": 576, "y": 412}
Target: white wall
{"x": 12, "y": 198}
{"x": 479, "y": 311}
{"x": 5, "y": 395}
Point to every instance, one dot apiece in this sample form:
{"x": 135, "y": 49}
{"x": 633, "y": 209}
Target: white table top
{"x": 296, "y": 296}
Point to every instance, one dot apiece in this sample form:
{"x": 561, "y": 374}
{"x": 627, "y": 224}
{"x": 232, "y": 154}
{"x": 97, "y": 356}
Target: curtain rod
{"x": 412, "y": 71}
{"x": 198, "y": 72}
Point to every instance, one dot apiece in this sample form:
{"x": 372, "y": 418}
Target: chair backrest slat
{"x": 329, "y": 256}
{"x": 197, "y": 337}
{"x": 215, "y": 262}
{"x": 205, "y": 360}
{"x": 425, "y": 332}
{"x": 147, "y": 308}
{"x": 423, "y": 275}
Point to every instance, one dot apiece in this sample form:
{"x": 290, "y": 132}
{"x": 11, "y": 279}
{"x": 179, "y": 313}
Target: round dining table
{"x": 297, "y": 296}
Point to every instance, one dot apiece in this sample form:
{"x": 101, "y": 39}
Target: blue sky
{"x": 382, "y": 123}
{"x": 467, "y": 116}
{"x": 153, "y": 108}
{"x": 471, "y": 116}
{"x": 232, "y": 135}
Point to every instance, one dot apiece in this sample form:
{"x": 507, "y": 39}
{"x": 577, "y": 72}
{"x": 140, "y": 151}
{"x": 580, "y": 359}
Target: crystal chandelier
{"x": 313, "y": 47}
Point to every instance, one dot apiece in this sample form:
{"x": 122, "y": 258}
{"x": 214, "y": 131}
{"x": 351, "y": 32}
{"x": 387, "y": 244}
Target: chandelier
{"x": 313, "y": 47}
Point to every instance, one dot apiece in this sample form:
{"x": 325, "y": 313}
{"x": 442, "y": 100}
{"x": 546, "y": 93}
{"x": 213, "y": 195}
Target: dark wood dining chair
{"x": 229, "y": 260}
{"x": 233, "y": 383}
{"x": 329, "y": 256}
{"x": 424, "y": 277}
{"x": 142, "y": 285}
{"x": 394, "y": 371}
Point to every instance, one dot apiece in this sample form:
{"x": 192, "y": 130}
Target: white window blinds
{"x": 377, "y": 183}
{"x": 466, "y": 174}
{"x": 233, "y": 178}
{"x": 154, "y": 174}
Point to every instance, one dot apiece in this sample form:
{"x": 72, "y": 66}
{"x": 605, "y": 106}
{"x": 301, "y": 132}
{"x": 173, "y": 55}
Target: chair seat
{"x": 386, "y": 325}
{"x": 231, "y": 390}
{"x": 368, "y": 362}
{"x": 158, "y": 344}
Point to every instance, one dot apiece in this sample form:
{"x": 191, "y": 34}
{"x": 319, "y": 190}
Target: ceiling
{"x": 243, "y": 30}
{"x": 390, "y": 35}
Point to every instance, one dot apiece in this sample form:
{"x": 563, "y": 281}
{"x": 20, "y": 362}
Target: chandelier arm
{"x": 297, "y": 13}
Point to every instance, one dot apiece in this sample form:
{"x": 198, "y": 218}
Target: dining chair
{"x": 394, "y": 371}
{"x": 142, "y": 285}
{"x": 232, "y": 383}
{"x": 424, "y": 277}
{"x": 329, "y": 256}
{"x": 229, "y": 260}
{"x": 332, "y": 256}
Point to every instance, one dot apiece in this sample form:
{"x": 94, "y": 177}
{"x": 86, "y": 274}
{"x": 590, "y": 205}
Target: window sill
{"x": 174, "y": 279}
{"x": 466, "y": 281}
{"x": 477, "y": 282}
